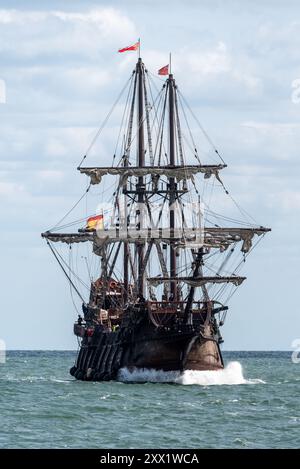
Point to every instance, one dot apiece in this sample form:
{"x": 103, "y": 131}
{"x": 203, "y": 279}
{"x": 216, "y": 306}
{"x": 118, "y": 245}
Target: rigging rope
{"x": 189, "y": 129}
{"x": 74, "y": 206}
{"x": 68, "y": 266}
{"x": 71, "y": 291}
{"x": 142, "y": 120}
{"x": 200, "y": 126}
{"x": 240, "y": 209}
{"x": 156, "y": 108}
{"x": 105, "y": 120}
{"x": 124, "y": 114}
{"x": 147, "y": 105}
{"x": 65, "y": 272}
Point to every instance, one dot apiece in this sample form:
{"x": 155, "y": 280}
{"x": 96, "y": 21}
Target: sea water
{"x": 253, "y": 403}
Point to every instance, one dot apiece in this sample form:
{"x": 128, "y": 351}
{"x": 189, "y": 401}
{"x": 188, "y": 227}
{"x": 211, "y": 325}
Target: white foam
{"x": 231, "y": 374}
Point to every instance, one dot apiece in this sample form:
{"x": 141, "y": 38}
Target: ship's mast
{"x": 172, "y": 186}
{"x": 141, "y": 162}
{"x": 126, "y": 252}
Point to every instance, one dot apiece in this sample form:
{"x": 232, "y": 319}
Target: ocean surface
{"x": 253, "y": 403}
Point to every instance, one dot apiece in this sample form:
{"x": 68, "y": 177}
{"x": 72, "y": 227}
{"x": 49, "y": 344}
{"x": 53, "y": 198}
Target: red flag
{"x": 134, "y": 47}
{"x": 164, "y": 70}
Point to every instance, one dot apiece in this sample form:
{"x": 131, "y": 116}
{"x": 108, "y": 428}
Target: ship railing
{"x": 172, "y": 307}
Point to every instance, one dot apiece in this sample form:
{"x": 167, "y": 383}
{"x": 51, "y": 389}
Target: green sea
{"x": 253, "y": 403}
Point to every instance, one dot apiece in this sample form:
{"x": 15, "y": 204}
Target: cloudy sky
{"x": 238, "y": 63}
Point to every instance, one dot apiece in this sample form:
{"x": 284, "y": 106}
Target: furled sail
{"x": 198, "y": 281}
{"x": 213, "y": 237}
{"x": 68, "y": 238}
{"x": 178, "y": 172}
{"x": 220, "y": 238}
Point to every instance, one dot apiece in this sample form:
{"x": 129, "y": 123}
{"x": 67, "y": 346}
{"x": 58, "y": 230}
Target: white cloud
{"x": 274, "y": 128}
{"x": 208, "y": 62}
{"x": 8, "y": 189}
{"x": 50, "y": 175}
{"x": 281, "y": 140}
{"x": 87, "y": 79}
{"x": 108, "y": 21}
{"x": 57, "y": 32}
{"x": 286, "y": 200}
{"x": 55, "y": 147}
{"x": 271, "y": 39}
{"x": 21, "y": 17}
{"x": 210, "y": 65}
{"x": 68, "y": 142}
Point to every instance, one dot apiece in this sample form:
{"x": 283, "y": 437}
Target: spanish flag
{"x": 95, "y": 223}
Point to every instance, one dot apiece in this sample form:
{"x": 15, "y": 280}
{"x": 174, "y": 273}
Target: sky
{"x": 238, "y": 63}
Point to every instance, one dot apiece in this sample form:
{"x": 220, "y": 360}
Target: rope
{"x": 236, "y": 270}
{"x": 123, "y": 116}
{"x": 156, "y": 108}
{"x": 200, "y": 126}
{"x": 128, "y": 136}
{"x": 71, "y": 291}
{"x": 142, "y": 120}
{"x": 74, "y": 206}
{"x": 64, "y": 271}
{"x": 189, "y": 129}
{"x": 105, "y": 121}
{"x": 161, "y": 129}
{"x": 240, "y": 209}
{"x": 72, "y": 271}
{"x": 147, "y": 104}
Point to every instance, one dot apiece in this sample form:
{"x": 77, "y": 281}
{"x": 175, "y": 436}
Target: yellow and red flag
{"x": 95, "y": 223}
{"x": 128, "y": 48}
{"x": 164, "y": 70}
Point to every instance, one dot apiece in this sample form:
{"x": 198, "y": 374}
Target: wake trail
{"x": 232, "y": 374}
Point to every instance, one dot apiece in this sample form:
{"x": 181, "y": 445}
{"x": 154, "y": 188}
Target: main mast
{"x": 141, "y": 162}
{"x": 126, "y": 251}
{"x": 172, "y": 186}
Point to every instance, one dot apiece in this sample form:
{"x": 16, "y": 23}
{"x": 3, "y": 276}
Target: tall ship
{"x": 165, "y": 263}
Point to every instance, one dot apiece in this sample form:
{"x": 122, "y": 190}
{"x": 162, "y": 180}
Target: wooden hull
{"x": 105, "y": 353}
